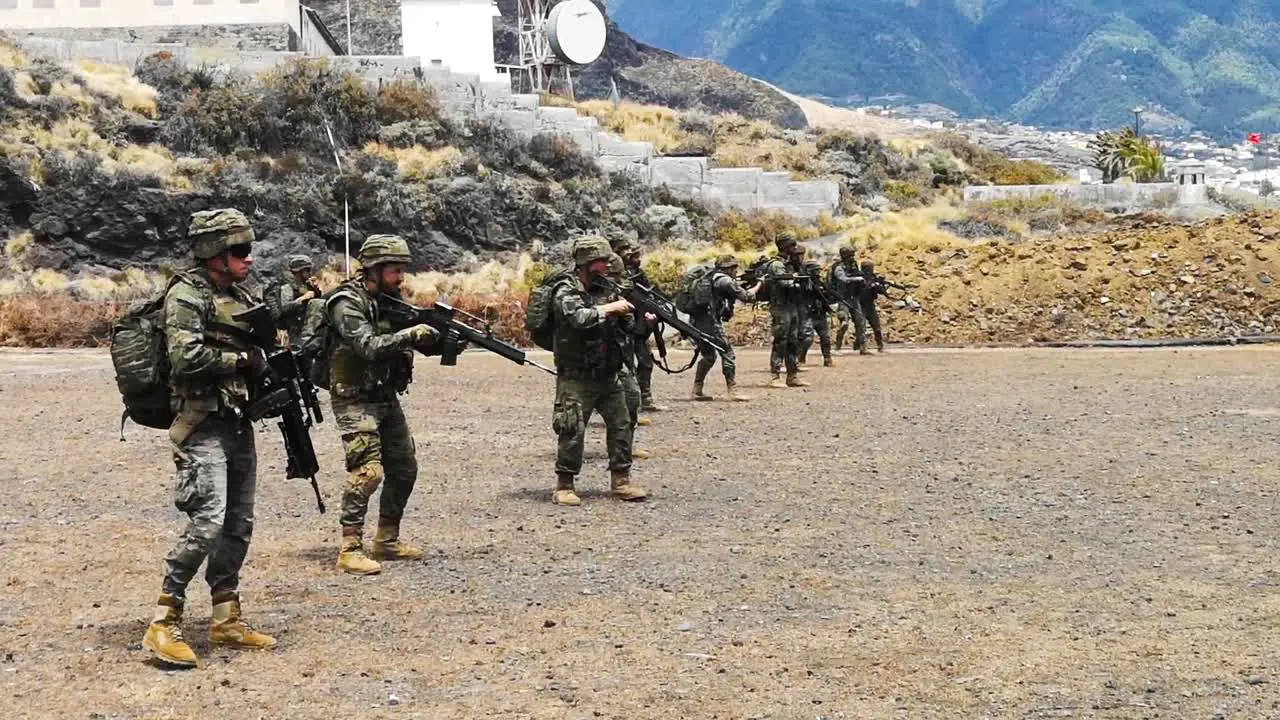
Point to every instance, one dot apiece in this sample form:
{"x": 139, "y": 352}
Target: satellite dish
{"x": 576, "y": 31}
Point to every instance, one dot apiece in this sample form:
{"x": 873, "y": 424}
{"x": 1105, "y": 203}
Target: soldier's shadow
{"x": 542, "y": 496}
{"x": 321, "y": 556}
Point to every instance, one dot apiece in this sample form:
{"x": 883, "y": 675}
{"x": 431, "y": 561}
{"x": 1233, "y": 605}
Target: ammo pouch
{"x": 566, "y": 418}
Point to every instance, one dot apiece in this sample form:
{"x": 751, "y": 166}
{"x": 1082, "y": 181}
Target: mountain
{"x": 1211, "y": 65}
{"x": 642, "y": 73}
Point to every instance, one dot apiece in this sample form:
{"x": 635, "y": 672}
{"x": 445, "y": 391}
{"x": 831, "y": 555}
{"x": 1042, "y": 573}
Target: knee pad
{"x": 366, "y": 478}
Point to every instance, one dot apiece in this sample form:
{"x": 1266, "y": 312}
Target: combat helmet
{"x": 726, "y": 261}
{"x": 590, "y": 248}
{"x": 299, "y": 263}
{"x": 786, "y": 241}
{"x": 214, "y": 231}
{"x": 378, "y": 249}
{"x": 846, "y": 254}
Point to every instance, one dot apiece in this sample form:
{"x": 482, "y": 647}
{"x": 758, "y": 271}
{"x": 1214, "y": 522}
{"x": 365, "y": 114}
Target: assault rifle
{"x": 649, "y": 300}
{"x": 284, "y": 391}
{"x": 814, "y": 287}
{"x": 456, "y": 334}
{"x": 880, "y": 281}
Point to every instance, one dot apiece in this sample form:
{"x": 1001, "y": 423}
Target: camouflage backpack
{"x": 539, "y": 315}
{"x": 755, "y": 273}
{"x": 140, "y": 355}
{"x": 316, "y": 339}
{"x": 695, "y": 293}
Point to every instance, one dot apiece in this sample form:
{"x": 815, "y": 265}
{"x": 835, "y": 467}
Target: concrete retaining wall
{"x": 1116, "y": 194}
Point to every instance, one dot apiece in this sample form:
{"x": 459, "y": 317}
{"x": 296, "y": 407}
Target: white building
{"x": 242, "y": 24}
{"x": 457, "y": 34}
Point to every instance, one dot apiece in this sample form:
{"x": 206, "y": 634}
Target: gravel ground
{"x": 926, "y": 534}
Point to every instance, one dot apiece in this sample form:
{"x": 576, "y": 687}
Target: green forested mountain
{"x": 1210, "y": 64}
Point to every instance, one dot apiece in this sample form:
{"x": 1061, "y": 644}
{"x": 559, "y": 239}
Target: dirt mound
{"x": 1145, "y": 278}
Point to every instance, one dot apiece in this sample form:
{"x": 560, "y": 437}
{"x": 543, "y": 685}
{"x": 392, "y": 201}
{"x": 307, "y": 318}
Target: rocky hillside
{"x": 1211, "y": 64}
{"x": 99, "y": 168}
{"x": 643, "y": 73}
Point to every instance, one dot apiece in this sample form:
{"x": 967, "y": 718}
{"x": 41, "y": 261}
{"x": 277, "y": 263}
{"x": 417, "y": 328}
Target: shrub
{"x": 562, "y": 156}
{"x": 404, "y": 100}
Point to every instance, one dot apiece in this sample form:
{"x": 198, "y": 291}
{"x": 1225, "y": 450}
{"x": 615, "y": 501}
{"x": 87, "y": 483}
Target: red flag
{"x": 1255, "y": 138}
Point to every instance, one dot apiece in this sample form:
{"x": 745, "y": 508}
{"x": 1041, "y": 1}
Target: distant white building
{"x": 457, "y": 34}
{"x": 241, "y": 24}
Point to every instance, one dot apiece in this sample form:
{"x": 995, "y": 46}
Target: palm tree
{"x": 1126, "y": 154}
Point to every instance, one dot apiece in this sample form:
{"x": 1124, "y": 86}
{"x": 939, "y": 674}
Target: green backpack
{"x": 140, "y": 355}
{"x": 317, "y": 338}
{"x": 539, "y": 315}
{"x": 695, "y": 293}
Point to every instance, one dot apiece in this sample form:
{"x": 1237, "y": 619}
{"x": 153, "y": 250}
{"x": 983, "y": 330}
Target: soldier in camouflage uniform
{"x": 725, "y": 290}
{"x": 633, "y": 258}
{"x": 627, "y": 374}
{"x": 289, "y": 297}
{"x": 787, "y": 299}
{"x": 817, "y": 321}
{"x": 212, "y": 441}
{"x": 867, "y": 301}
{"x": 590, "y": 324}
{"x": 848, "y": 282}
{"x": 370, "y": 365}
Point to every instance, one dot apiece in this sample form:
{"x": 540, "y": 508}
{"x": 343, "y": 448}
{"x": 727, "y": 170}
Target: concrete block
{"x": 526, "y": 101}
{"x": 726, "y": 197}
{"x": 735, "y": 180}
{"x": 585, "y": 139}
{"x": 554, "y": 115}
{"x": 812, "y": 192}
{"x": 679, "y": 172}
{"x": 614, "y": 163}
{"x": 612, "y": 145}
{"x": 522, "y": 122}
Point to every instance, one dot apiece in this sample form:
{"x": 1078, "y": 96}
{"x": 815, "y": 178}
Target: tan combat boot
{"x": 698, "y": 394}
{"x": 164, "y": 635}
{"x": 793, "y": 380}
{"x": 227, "y": 629}
{"x": 624, "y": 489}
{"x": 648, "y": 405}
{"x": 777, "y": 382}
{"x": 387, "y": 545}
{"x": 637, "y": 454}
{"x": 734, "y": 395}
{"x": 644, "y": 422}
{"x": 564, "y": 494}
{"x": 351, "y": 559}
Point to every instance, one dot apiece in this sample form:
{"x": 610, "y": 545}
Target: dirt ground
{"x": 925, "y": 534}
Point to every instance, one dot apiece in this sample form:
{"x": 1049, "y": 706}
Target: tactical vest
{"x": 353, "y": 377}
{"x": 222, "y": 333}
{"x": 596, "y": 353}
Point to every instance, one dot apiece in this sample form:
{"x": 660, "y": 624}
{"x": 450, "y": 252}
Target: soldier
{"x": 627, "y": 374}
{"x": 212, "y": 440}
{"x": 725, "y": 290}
{"x": 848, "y": 282}
{"x": 787, "y": 298}
{"x": 589, "y": 326}
{"x": 867, "y": 301}
{"x": 633, "y": 257}
{"x": 289, "y": 296}
{"x": 370, "y": 366}
{"x": 817, "y": 320}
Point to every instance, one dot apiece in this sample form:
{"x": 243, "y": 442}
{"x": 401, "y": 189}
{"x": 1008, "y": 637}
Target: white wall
{"x": 457, "y": 33}
{"x": 23, "y": 14}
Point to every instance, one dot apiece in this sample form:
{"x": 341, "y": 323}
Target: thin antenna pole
{"x": 348, "y": 27}
{"x": 346, "y": 206}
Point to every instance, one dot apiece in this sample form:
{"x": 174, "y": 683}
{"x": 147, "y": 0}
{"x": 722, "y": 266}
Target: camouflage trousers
{"x": 819, "y": 323}
{"x": 380, "y": 452}
{"x": 644, "y": 368}
{"x": 787, "y": 324}
{"x": 576, "y": 399}
{"x": 631, "y": 388}
{"x": 712, "y": 326}
{"x": 860, "y": 327}
{"x": 214, "y": 482}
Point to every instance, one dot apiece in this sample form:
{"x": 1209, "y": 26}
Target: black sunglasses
{"x": 239, "y": 251}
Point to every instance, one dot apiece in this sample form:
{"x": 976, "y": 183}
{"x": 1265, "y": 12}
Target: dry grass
{"x": 45, "y": 321}
{"x": 637, "y": 123}
{"x": 418, "y": 163}
{"x": 117, "y": 81}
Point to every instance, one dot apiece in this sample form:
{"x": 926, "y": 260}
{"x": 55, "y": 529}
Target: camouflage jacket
{"x": 785, "y": 292}
{"x": 587, "y": 344}
{"x": 847, "y": 280}
{"x": 368, "y": 361}
{"x": 725, "y": 291}
{"x": 204, "y": 341}
{"x": 287, "y": 310}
